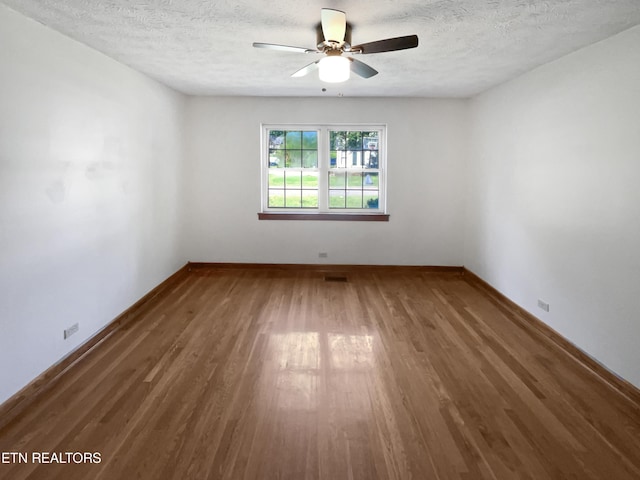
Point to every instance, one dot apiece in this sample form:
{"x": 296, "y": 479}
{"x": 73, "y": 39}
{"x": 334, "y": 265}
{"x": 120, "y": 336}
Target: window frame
{"x": 323, "y": 211}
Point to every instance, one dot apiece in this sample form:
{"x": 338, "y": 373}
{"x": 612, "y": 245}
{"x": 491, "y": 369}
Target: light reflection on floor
{"x": 308, "y": 364}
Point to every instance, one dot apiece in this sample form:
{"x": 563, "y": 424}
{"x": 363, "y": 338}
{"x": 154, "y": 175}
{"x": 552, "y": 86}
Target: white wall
{"x": 426, "y": 148}
{"x": 90, "y": 171}
{"x": 554, "y": 199}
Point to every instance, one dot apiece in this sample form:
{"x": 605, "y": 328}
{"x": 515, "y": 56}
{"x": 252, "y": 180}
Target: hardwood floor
{"x": 280, "y": 374}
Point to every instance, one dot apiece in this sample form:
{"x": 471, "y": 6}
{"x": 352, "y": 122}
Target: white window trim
{"x": 324, "y": 167}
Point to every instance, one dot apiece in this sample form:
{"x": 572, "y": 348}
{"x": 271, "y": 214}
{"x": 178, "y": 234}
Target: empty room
{"x": 319, "y": 240}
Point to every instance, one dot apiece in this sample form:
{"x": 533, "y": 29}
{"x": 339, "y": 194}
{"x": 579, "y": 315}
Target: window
{"x": 292, "y": 169}
{"x": 330, "y": 170}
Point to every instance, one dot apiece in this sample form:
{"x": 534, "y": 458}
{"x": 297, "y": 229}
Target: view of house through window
{"x": 330, "y": 168}
{"x": 353, "y": 172}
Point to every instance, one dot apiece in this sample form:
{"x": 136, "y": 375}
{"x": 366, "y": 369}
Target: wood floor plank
{"x": 246, "y": 373}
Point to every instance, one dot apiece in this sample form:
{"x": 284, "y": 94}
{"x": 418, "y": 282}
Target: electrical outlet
{"x": 323, "y": 255}
{"x": 543, "y": 305}
{"x": 71, "y": 330}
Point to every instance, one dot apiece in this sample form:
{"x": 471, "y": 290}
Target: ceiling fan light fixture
{"x": 334, "y": 69}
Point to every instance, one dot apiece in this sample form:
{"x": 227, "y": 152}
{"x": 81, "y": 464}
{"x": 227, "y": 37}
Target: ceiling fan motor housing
{"x": 331, "y": 43}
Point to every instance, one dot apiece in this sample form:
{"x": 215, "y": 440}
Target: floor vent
{"x": 335, "y": 278}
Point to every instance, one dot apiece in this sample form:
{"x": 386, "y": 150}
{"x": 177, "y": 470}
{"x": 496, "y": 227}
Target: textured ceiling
{"x": 204, "y": 47}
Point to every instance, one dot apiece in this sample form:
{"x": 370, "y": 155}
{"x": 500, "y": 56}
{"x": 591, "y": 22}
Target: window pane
{"x": 341, "y": 159}
{"x": 371, "y": 181}
{"x": 276, "y": 139}
{"x": 354, "y": 140}
{"x": 276, "y": 198}
{"x": 310, "y": 158}
{"x": 354, "y": 180}
{"x": 336, "y": 179}
{"x": 294, "y": 180}
{"x": 332, "y": 159}
{"x": 370, "y": 159}
{"x": 276, "y": 178}
{"x": 293, "y": 140}
{"x": 354, "y": 158}
{"x": 310, "y": 140}
{"x": 293, "y": 159}
{"x": 310, "y": 198}
{"x": 354, "y": 199}
{"x": 370, "y": 140}
{"x": 293, "y": 198}
{"x": 337, "y": 140}
{"x": 310, "y": 180}
{"x": 370, "y": 199}
{"x": 337, "y": 199}
{"x": 276, "y": 158}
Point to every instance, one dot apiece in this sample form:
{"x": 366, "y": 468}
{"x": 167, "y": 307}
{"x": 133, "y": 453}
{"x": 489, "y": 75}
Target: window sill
{"x": 343, "y": 217}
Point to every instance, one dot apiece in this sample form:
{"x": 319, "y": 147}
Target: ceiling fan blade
{"x": 362, "y": 69}
{"x": 334, "y": 25}
{"x": 306, "y": 70}
{"x": 388, "y": 45}
{"x": 284, "y": 48}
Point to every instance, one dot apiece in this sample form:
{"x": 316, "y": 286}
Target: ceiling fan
{"x": 333, "y": 40}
